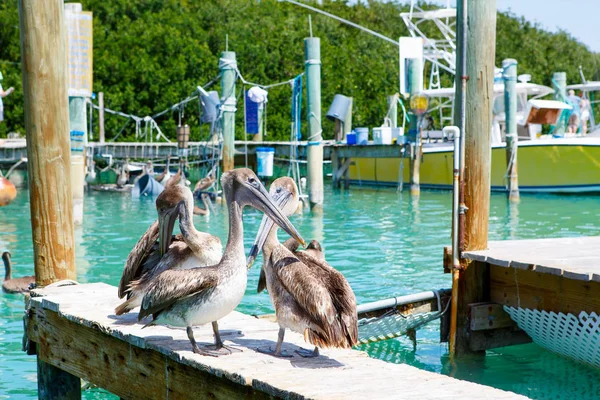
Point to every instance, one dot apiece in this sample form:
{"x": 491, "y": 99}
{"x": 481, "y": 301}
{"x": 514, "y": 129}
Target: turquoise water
{"x": 384, "y": 243}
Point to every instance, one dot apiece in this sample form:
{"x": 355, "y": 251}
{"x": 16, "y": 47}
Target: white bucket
{"x": 382, "y": 135}
{"x": 362, "y": 135}
{"x": 396, "y": 133}
{"x": 264, "y": 158}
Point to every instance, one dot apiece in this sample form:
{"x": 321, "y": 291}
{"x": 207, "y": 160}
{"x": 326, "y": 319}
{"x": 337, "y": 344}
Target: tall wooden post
{"x": 509, "y": 76}
{"x": 78, "y": 129}
{"x": 44, "y": 74}
{"x": 348, "y": 119}
{"x": 101, "y": 116}
{"x": 480, "y": 52}
{"x": 392, "y": 103}
{"x": 228, "y": 66}
{"x": 559, "y": 81}
{"x": 415, "y": 81}
{"x": 261, "y": 115}
{"x": 312, "y": 54}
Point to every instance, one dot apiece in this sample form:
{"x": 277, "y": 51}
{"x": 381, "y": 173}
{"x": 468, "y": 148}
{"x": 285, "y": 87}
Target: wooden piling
{"x": 559, "y": 82}
{"x": 228, "y": 67}
{"x": 78, "y": 129}
{"x": 480, "y": 53}
{"x": 101, "y": 115}
{"x": 348, "y": 119}
{"x": 44, "y": 74}
{"x": 509, "y": 76}
{"x": 261, "y": 114}
{"x": 392, "y": 103}
{"x": 312, "y": 53}
{"x": 415, "y": 81}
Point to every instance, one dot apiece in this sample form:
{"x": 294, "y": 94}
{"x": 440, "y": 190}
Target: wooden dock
{"x": 76, "y": 330}
{"x": 560, "y": 275}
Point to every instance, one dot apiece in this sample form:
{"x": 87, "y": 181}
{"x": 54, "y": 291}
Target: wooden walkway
{"x": 573, "y": 258}
{"x": 76, "y": 330}
{"x": 559, "y": 275}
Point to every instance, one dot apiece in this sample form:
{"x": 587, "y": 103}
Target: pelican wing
{"x": 342, "y": 294}
{"x": 137, "y": 258}
{"x": 304, "y": 286}
{"x": 175, "y": 285}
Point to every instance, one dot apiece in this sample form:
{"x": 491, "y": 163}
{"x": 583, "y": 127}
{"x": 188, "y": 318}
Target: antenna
{"x": 226, "y": 42}
{"x": 310, "y": 25}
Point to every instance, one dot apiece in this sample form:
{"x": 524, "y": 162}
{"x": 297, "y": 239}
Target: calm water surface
{"x": 383, "y": 242}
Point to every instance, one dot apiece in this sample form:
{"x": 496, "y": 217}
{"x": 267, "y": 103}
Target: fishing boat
{"x": 550, "y": 162}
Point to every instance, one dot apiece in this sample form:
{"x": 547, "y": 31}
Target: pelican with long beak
{"x": 309, "y": 296}
{"x": 201, "y": 295}
{"x": 14, "y": 285}
{"x": 157, "y": 250}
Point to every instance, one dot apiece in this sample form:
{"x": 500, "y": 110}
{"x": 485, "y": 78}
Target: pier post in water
{"x": 480, "y": 53}
{"x": 392, "y": 103}
{"x": 228, "y": 67}
{"x": 509, "y": 75}
{"x": 261, "y": 125}
{"x": 101, "y": 116}
{"x": 415, "y": 81}
{"x": 312, "y": 52}
{"x": 559, "y": 82}
{"x": 44, "y": 74}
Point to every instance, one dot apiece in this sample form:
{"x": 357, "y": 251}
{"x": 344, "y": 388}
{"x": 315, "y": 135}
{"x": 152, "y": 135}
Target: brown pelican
{"x": 201, "y": 295}
{"x": 149, "y": 257}
{"x": 166, "y": 174}
{"x": 16, "y": 285}
{"x": 309, "y": 296}
{"x": 202, "y": 185}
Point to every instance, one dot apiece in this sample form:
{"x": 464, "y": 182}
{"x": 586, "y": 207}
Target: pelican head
{"x": 284, "y": 193}
{"x": 167, "y": 205}
{"x": 243, "y": 187}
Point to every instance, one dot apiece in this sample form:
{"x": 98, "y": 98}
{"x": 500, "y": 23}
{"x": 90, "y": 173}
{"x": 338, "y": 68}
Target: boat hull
{"x": 544, "y": 166}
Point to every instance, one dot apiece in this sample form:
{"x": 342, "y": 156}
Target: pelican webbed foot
{"x": 308, "y": 353}
{"x": 216, "y": 351}
{"x": 274, "y": 353}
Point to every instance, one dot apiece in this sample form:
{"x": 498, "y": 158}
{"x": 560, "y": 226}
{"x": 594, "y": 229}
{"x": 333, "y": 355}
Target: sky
{"x": 578, "y": 17}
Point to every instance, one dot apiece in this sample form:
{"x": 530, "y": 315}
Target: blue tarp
{"x": 146, "y": 186}
{"x": 251, "y": 115}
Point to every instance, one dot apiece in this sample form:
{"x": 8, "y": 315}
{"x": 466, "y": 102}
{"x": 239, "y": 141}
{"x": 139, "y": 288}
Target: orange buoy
{"x": 8, "y": 192}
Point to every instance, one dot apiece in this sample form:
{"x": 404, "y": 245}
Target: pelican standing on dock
{"x": 16, "y": 285}
{"x": 309, "y": 296}
{"x": 157, "y": 250}
{"x": 201, "y": 295}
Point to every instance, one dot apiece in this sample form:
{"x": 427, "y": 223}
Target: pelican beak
{"x": 262, "y": 201}
{"x": 166, "y": 224}
{"x": 280, "y": 199}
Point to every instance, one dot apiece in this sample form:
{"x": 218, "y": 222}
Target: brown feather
{"x": 174, "y": 285}
{"x": 137, "y": 257}
{"x": 262, "y": 281}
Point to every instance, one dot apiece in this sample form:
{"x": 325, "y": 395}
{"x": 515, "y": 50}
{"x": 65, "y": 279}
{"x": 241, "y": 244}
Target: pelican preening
{"x": 157, "y": 251}
{"x": 16, "y": 285}
{"x": 309, "y": 296}
{"x": 206, "y": 294}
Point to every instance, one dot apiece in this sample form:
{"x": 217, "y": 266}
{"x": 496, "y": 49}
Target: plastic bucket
{"x": 264, "y": 158}
{"x": 382, "y": 135}
{"x": 351, "y": 138}
{"x": 362, "y": 135}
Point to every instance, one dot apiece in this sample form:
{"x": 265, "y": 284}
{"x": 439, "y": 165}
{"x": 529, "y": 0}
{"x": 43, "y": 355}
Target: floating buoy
{"x": 8, "y": 192}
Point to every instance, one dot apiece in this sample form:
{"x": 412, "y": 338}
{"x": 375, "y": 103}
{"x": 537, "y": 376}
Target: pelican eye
{"x": 278, "y": 190}
{"x": 252, "y": 181}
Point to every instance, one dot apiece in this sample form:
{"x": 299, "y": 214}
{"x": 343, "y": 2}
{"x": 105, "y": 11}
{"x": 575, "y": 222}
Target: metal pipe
{"x": 396, "y": 301}
{"x": 455, "y": 234}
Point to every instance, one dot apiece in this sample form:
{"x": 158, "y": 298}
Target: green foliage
{"x": 151, "y": 54}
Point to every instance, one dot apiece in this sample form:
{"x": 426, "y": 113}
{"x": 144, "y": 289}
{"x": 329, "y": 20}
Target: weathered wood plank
{"x": 485, "y": 340}
{"x": 123, "y": 351}
{"x": 488, "y": 316}
{"x": 575, "y": 258}
{"x": 540, "y": 291}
